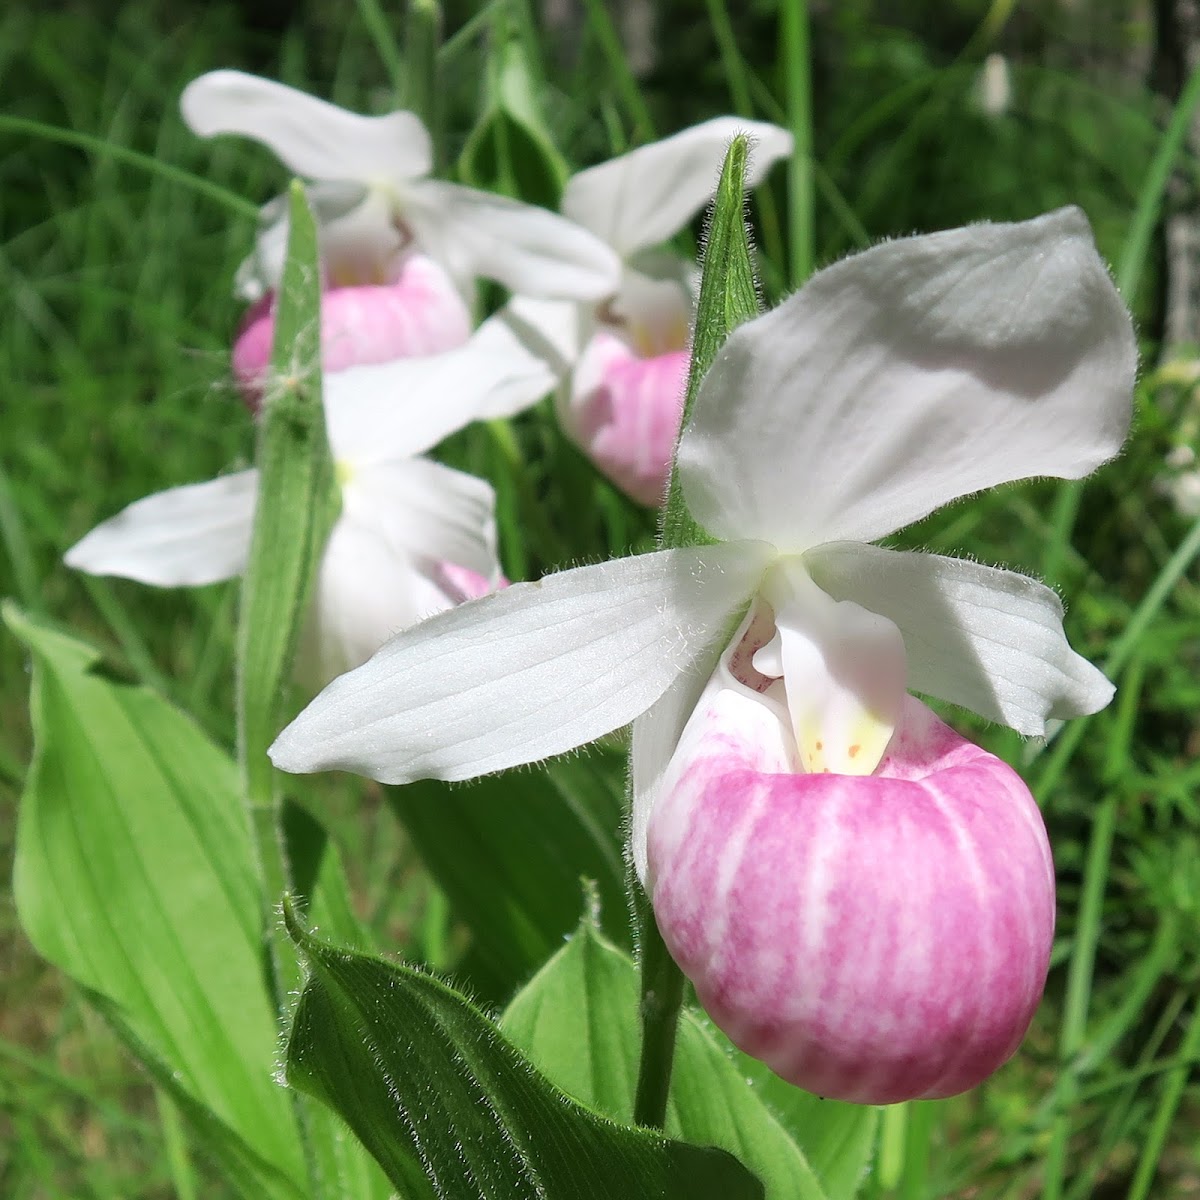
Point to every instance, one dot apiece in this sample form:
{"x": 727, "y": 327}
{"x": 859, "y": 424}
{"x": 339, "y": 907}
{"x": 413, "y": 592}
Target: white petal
{"x": 422, "y": 509}
{"x": 526, "y": 248}
{"x": 312, "y": 137}
{"x": 843, "y": 670}
{"x": 402, "y": 408}
{"x": 909, "y": 375}
{"x": 525, "y": 673}
{"x": 554, "y": 330}
{"x": 183, "y": 537}
{"x": 366, "y": 592}
{"x": 350, "y": 219}
{"x": 359, "y": 243}
{"x": 727, "y": 690}
{"x": 987, "y": 639}
{"x": 520, "y": 374}
{"x": 656, "y": 735}
{"x": 649, "y": 194}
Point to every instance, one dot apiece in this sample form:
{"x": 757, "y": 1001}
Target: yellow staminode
{"x": 854, "y": 751}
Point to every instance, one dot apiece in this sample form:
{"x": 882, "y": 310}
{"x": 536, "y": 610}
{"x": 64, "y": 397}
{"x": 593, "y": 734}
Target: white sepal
{"x": 646, "y": 196}
{"x": 312, "y": 137}
{"x": 525, "y": 673}
{"x": 183, "y": 537}
{"x": 904, "y": 377}
{"x": 988, "y": 639}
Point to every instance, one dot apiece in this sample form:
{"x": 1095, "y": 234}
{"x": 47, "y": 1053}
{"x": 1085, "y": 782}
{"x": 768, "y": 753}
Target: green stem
{"x": 1164, "y": 1115}
{"x": 797, "y": 74}
{"x": 1175, "y": 568}
{"x": 918, "y": 1144}
{"x": 183, "y": 1178}
{"x": 662, "y": 997}
{"x": 385, "y": 45}
{"x": 1149, "y": 205}
{"x": 893, "y": 1139}
{"x": 20, "y": 556}
{"x": 146, "y": 162}
{"x": 1129, "y": 274}
{"x": 627, "y": 86}
{"x": 1079, "y": 985}
{"x": 728, "y": 296}
{"x": 423, "y": 37}
{"x": 733, "y": 66}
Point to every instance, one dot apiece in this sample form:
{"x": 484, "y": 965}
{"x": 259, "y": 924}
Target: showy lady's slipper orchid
{"x": 414, "y": 537}
{"x": 399, "y": 250}
{"x": 862, "y": 899}
{"x": 627, "y": 357}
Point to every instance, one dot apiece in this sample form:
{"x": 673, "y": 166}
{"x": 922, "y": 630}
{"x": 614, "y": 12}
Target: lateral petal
{"x": 184, "y": 537}
{"x": 904, "y": 377}
{"x": 425, "y": 510}
{"x": 646, "y": 196}
{"x": 312, "y": 137}
{"x": 656, "y": 734}
{"x": 398, "y": 409}
{"x": 988, "y": 639}
{"x": 525, "y": 673}
{"x": 554, "y": 330}
{"x": 526, "y": 248}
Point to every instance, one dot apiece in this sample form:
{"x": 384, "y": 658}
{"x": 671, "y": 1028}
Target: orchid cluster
{"x": 400, "y": 255}
{"x": 625, "y": 360}
{"x": 862, "y": 899}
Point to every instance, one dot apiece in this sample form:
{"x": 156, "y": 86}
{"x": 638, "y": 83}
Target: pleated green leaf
{"x": 840, "y": 1139}
{"x": 577, "y": 1021}
{"x": 435, "y": 1092}
{"x": 509, "y": 851}
{"x": 133, "y": 875}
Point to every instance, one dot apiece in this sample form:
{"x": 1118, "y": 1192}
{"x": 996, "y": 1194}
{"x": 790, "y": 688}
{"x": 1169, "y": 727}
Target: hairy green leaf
{"x": 577, "y": 1021}
{"x": 297, "y": 502}
{"x": 509, "y": 851}
{"x": 728, "y": 296}
{"x": 431, "y": 1086}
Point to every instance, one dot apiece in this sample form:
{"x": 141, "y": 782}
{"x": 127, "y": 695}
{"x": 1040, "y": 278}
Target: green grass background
{"x": 119, "y": 234}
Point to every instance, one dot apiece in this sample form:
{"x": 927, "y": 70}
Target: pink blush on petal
{"x": 419, "y": 313}
{"x": 870, "y": 938}
{"x": 461, "y": 583}
{"x": 624, "y": 412}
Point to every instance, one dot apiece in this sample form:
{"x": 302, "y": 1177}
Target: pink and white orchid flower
{"x": 399, "y": 250}
{"x": 862, "y": 899}
{"x": 628, "y": 357}
{"x": 414, "y": 537}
